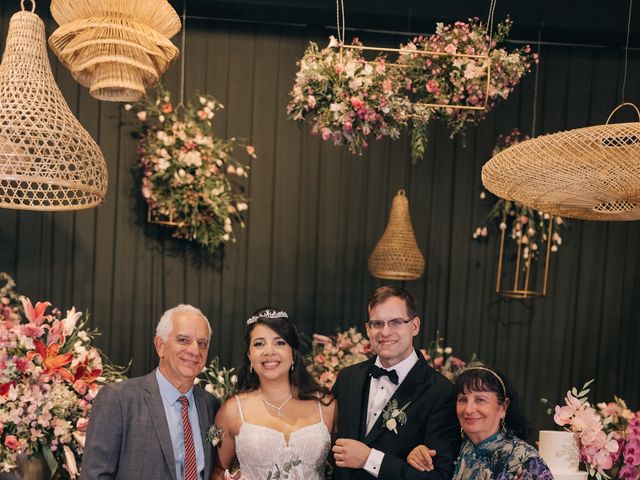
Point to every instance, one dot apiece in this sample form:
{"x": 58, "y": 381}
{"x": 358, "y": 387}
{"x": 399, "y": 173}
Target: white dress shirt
{"x": 380, "y": 392}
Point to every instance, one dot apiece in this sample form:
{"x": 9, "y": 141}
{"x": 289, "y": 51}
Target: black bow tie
{"x": 377, "y": 372}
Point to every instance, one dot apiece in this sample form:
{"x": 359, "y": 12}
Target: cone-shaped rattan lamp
{"x": 591, "y": 173}
{"x": 116, "y": 48}
{"x": 397, "y": 256}
{"x": 47, "y": 160}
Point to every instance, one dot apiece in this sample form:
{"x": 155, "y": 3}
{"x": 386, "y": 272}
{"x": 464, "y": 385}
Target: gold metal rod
{"x": 546, "y": 265}
{"x": 419, "y": 52}
{"x": 526, "y": 278}
{"x": 517, "y": 273}
{"x": 504, "y": 216}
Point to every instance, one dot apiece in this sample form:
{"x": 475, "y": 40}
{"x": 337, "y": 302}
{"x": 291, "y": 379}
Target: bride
{"x": 280, "y": 421}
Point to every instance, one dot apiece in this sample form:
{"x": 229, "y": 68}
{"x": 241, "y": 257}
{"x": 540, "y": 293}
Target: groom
{"x": 394, "y": 401}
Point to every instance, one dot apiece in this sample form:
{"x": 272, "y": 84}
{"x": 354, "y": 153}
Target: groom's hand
{"x": 350, "y": 453}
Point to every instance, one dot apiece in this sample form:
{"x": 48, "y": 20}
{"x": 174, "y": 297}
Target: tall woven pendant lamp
{"x": 116, "y": 48}
{"x": 397, "y": 255}
{"x": 591, "y": 173}
{"x": 48, "y": 161}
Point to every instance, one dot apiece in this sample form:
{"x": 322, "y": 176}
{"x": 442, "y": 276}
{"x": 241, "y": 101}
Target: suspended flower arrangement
{"x": 475, "y": 73}
{"x": 524, "y": 225}
{"x": 346, "y": 98}
{"x": 190, "y": 180}
{"x": 456, "y": 74}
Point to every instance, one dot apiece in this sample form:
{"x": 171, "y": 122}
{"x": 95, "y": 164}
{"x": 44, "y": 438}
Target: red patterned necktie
{"x": 190, "y": 467}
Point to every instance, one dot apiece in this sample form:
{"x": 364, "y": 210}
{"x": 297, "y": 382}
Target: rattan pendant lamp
{"x": 116, "y": 48}
{"x": 590, "y": 173}
{"x": 48, "y": 161}
{"x": 397, "y": 255}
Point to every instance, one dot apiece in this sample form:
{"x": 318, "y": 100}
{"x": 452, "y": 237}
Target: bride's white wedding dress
{"x": 263, "y": 450}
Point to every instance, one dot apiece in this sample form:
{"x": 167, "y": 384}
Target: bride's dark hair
{"x": 300, "y": 378}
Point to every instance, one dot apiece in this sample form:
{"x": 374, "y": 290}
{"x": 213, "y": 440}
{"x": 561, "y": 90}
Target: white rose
{"x": 128, "y": 106}
{"x": 226, "y": 237}
{"x": 209, "y": 388}
{"x": 392, "y": 424}
{"x": 395, "y": 413}
{"x": 142, "y": 116}
{"x": 234, "y": 379}
{"x": 448, "y": 350}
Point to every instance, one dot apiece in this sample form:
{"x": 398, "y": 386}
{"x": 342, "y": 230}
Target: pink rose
{"x": 321, "y": 339}
{"x": 451, "y": 48}
{"x": 432, "y": 86}
{"x": 11, "y": 442}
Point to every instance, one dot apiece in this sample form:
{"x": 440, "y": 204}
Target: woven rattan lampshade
{"x": 47, "y": 160}
{"x": 590, "y": 173}
{"x": 116, "y": 48}
{"x": 397, "y": 256}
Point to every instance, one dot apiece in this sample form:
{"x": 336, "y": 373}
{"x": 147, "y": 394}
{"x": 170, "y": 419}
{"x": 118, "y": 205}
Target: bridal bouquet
{"x": 49, "y": 375}
{"x": 190, "y": 179}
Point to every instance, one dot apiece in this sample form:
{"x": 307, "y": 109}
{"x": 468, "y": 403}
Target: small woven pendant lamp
{"x": 591, "y": 173}
{"x": 116, "y": 48}
{"x": 397, "y": 256}
{"x": 47, "y": 160}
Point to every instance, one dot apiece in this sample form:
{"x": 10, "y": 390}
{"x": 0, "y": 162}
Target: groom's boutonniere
{"x": 393, "y": 415}
{"x": 215, "y": 434}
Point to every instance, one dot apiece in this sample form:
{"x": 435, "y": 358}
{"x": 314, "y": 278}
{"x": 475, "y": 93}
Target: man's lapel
{"x": 357, "y": 406}
{"x": 410, "y": 389}
{"x": 205, "y": 423}
{"x": 159, "y": 419}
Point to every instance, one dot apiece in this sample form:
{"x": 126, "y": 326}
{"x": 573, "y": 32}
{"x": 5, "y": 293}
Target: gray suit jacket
{"x": 128, "y": 435}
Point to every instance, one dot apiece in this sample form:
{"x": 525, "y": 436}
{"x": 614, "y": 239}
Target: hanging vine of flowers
{"x": 524, "y": 225}
{"x": 347, "y": 99}
{"x": 190, "y": 179}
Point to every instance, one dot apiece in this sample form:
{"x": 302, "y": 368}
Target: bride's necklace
{"x": 277, "y": 408}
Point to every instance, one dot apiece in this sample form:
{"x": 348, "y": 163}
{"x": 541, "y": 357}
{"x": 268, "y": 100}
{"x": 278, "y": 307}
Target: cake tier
{"x": 560, "y": 452}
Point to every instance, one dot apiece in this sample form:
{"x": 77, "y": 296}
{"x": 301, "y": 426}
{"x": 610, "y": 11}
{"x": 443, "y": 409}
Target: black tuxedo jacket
{"x": 431, "y": 420}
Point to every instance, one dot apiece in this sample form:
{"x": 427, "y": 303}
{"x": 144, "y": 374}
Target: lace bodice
{"x": 261, "y": 450}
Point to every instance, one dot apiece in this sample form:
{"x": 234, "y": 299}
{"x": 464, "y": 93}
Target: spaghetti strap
{"x": 240, "y": 408}
{"x": 320, "y": 410}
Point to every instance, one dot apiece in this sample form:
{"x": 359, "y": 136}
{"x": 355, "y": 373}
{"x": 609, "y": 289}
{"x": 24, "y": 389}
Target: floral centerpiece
{"x": 608, "y": 434}
{"x": 524, "y": 225}
{"x": 49, "y": 375}
{"x": 456, "y": 80}
{"x": 219, "y": 381}
{"x": 329, "y": 355}
{"x": 190, "y": 180}
{"x": 440, "y": 358}
{"x": 346, "y": 98}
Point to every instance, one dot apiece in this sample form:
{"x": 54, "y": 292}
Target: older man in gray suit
{"x": 155, "y": 426}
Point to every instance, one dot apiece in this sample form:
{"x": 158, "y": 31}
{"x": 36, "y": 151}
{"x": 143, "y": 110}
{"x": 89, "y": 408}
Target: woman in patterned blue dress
{"x": 494, "y": 431}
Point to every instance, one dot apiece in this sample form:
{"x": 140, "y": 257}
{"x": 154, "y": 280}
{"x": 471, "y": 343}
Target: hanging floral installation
{"x": 523, "y": 224}
{"x": 459, "y": 80}
{"x": 347, "y": 98}
{"x": 190, "y": 180}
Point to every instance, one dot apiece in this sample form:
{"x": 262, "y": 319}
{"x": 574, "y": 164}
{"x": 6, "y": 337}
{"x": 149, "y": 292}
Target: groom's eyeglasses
{"x": 392, "y": 324}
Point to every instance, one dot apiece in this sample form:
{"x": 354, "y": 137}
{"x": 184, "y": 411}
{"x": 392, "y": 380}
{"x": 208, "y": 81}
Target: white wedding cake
{"x": 560, "y": 452}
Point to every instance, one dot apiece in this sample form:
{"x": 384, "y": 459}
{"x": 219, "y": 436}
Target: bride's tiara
{"x": 267, "y": 314}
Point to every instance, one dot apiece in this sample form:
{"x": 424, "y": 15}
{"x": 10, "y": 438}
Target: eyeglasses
{"x": 392, "y": 324}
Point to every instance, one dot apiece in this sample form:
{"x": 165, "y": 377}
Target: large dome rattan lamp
{"x": 47, "y": 160}
{"x": 116, "y": 48}
{"x": 397, "y": 255}
{"x": 591, "y": 173}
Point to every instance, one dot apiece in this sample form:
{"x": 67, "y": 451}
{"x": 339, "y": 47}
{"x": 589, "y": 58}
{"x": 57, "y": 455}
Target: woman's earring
{"x": 292, "y": 365}
{"x": 461, "y": 433}
{"x": 503, "y": 428}
{"x": 250, "y": 368}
